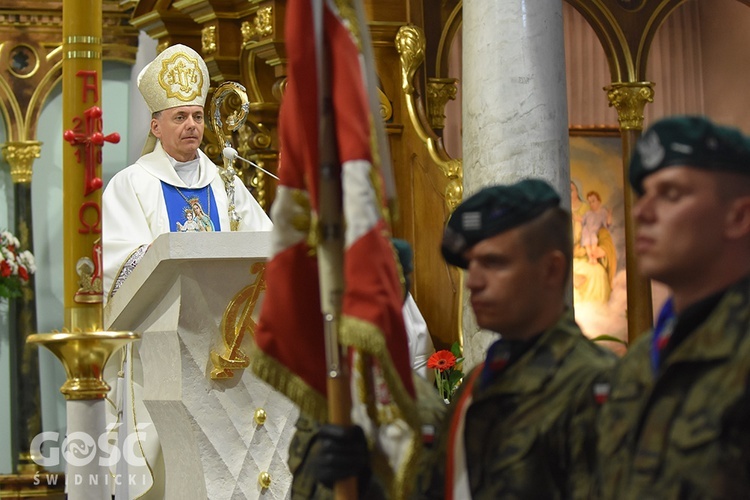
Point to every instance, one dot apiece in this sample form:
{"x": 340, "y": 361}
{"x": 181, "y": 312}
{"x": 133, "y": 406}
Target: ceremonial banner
{"x": 290, "y": 338}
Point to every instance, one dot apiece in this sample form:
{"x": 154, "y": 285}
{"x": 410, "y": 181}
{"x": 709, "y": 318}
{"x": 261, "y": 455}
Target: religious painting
{"x": 598, "y": 213}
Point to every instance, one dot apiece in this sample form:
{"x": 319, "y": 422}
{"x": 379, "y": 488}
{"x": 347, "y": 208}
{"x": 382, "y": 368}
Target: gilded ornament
{"x": 410, "y": 43}
{"x": 208, "y": 39}
{"x": 261, "y": 26}
{"x": 264, "y": 480}
{"x": 260, "y": 416}
{"x": 629, "y": 99}
{"x": 439, "y": 92}
{"x": 20, "y": 156}
{"x": 235, "y": 323}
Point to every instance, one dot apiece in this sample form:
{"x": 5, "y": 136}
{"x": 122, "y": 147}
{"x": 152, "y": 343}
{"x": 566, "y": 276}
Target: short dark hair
{"x": 155, "y": 115}
{"x": 731, "y": 185}
{"x": 552, "y": 230}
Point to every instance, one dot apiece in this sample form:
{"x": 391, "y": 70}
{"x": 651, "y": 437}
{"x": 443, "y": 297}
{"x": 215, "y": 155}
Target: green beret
{"x": 493, "y": 210}
{"x": 403, "y": 249}
{"x": 692, "y": 141}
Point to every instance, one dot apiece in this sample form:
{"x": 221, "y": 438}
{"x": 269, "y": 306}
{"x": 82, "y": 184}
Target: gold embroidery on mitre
{"x": 181, "y": 77}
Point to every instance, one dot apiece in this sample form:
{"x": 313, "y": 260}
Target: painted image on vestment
{"x": 597, "y": 209}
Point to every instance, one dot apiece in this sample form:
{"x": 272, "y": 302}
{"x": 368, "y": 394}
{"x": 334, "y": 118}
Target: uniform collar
{"x": 539, "y": 363}
{"x": 716, "y": 337}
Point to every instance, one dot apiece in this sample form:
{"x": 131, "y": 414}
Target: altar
{"x": 194, "y": 298}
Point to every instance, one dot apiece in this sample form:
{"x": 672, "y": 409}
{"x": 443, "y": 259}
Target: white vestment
{"x": 418, "y": 336}
{"x": 134, "y": 214}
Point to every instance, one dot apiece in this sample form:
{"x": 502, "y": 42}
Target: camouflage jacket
{"x": 683, "y": 432}
{"x": 529, "y": 433}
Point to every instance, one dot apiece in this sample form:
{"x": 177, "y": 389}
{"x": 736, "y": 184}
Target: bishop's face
{"x": 180, "y": 131}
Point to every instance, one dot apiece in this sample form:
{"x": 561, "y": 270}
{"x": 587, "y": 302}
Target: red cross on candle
{"x": 92, "y": 140}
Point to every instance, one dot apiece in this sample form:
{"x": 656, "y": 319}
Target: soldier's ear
{"x": 737, "y": 223}
{"x": 555, "y": 268}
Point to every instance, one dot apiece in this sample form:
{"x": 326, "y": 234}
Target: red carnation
{"x": 22, "y": 273}
{"x": 442, "y": 360}
{"x": 4, "y": 269}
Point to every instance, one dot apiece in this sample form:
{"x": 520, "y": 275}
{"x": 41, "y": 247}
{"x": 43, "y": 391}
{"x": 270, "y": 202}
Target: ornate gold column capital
{"x": 629, "y": 99}
{"x": 439, "y": 92}
{"x": 20, "y": 156}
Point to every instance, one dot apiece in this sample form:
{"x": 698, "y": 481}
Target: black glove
{"x": 339, "y": 452}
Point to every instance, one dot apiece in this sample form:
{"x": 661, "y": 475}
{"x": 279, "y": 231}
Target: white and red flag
{"x": 331, "y": 80}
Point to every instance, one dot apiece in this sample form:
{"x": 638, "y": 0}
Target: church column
{"x": 515, "y": 115}
{"x": 630, "y": 99}
{"x": 26, "y": 419}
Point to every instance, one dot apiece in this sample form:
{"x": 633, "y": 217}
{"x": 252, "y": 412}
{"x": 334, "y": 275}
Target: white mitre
{"x": 177, "y": 77}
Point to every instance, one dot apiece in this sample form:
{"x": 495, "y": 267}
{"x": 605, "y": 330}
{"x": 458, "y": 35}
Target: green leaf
{"x": 456, "y": 349}
{"x": 455, "y": 377}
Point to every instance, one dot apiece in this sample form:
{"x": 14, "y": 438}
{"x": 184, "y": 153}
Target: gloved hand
{"x": 339, "y": 452}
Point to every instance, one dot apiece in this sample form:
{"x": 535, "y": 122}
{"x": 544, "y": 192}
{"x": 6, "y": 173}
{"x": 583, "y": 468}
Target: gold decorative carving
{"x": 454, "y": 191}
{"x": 20, "y": 156}
{"x": 259, "y": 182}
{"x": 255, "y": 141}
{"x": 260, "y": 416}
{"x": 439, "y": 92}
{"x": 262, "y": 25}
{"x": 236, "y": 322}
{"x": 410, "y": 43}
{"x": 208, "y": 39}
{"x": 629, "y": 99}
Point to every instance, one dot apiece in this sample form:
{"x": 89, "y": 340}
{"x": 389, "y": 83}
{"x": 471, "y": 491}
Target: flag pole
{"x": 330, "y": 248}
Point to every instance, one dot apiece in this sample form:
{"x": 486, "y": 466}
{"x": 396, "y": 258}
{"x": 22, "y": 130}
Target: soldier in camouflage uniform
{"x": 677, "y": 423}
{"x": 522, "y": 424}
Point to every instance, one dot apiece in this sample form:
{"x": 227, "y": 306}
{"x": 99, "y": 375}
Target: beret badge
{"x": 651, "y": 150}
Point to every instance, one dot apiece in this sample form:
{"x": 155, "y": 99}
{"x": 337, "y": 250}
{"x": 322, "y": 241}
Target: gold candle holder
{"x": 83, "y": 355}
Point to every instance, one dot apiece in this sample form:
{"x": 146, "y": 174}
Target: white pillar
{"x": 515, "y": 113}
{"x": 85, "y": 478}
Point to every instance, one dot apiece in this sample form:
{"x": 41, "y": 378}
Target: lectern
{"x": 223, "y": 433}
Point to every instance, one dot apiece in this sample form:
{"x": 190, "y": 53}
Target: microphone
{"x": 230, "y": 154}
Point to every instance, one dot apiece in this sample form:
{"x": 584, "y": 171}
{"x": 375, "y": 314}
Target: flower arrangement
{"x": 15, "y": 265}
{"x": 448, "y": 374}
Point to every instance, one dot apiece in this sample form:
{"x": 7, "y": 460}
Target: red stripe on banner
{"x": 350, "y": 103}
{"x": 290, "y": 328}
{"x": 374, "y": 294}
